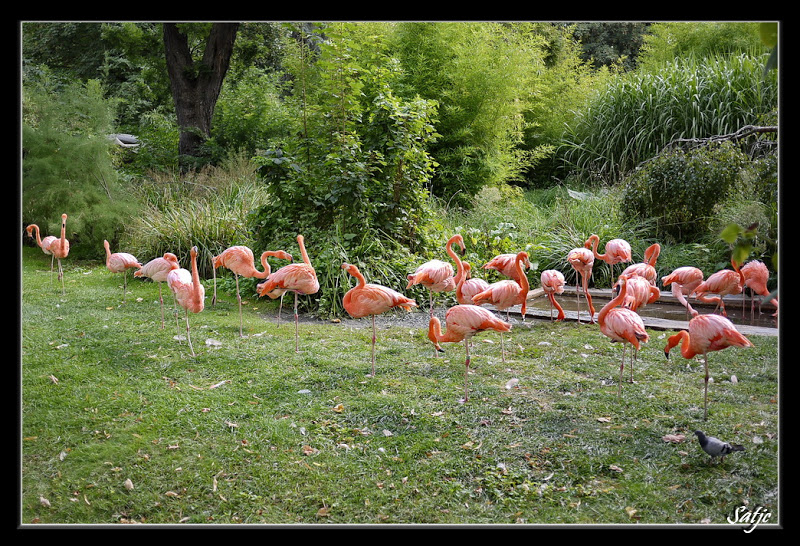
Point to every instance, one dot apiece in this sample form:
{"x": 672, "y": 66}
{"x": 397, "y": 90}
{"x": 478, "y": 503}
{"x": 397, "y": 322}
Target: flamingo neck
{"x": 108, "y": 251}
{"x": 623, "y": 291}
{"x": 303, "y": 253}
{"x": 452, "y": 253}
{"x": 683, "y": 338}
{"x": 38, "y": 236}
{"x": 63, "y": 240}
{"x": 651, "y": 254}
{"x": 592, "y": 243}
{"x": 265, "y": 265}
{"x": 359, "y": 277}
{"x": 195, "y": 274}
{"x": 523, "y": 278}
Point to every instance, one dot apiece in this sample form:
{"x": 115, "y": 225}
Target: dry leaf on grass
{"x": 674, "y": 438}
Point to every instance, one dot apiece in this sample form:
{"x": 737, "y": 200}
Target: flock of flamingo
{"x": 618, "y": 319}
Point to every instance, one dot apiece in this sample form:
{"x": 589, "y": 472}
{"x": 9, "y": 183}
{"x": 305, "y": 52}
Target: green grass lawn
{"x": 120, "y": 424}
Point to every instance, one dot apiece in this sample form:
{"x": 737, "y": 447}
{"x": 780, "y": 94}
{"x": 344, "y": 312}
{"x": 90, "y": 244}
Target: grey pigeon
{"x": 716, "y": 447}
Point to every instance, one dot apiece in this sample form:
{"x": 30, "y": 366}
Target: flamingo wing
{"x": 374, "y": 299}
{"x": 624, "y": 325}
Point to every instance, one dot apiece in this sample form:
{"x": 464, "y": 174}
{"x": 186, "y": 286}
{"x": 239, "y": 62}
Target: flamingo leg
{"x": 373, "y": 346}
{"x": 621, "y": 367}
{"x": 296, "y": 326}
{"x": 280, "y": 307}
{"x": 161, "y": 302}
{"x": 239, "y": 299}
{"x": 188, "y": 333}
{"x": 61, "y": 276}
{"x": 578, "y": 295}
{"x": 705, "y": 388}
{"x": 124, "y": 283}
{"x": 466, "y": 370}
{"x": 214, "y": 271}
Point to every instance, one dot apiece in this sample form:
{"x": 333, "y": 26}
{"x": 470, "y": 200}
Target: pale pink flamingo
{"x": 120, "y": 262}
{"x": 505, "y": 264}
{"x": 706, "y": 333}
{"x": 720, "y": 284}
{"x": 684, "y": 280}
{"x": 366, "y": 299}
{"x": 553, "y": 284}
{"x": 463, "y": 322}
{"x": 188, "y": 290}
{"x": 622, "y": 325}
{"x": 756, "y": 276}
{"x": 647, "y": 268}
{"x": 436, "y": 275}
{"x": 44, "y": 244}
{"x": 240, "y": 260}
{"x": 157, "y": 270}
{"x": 616, "y": 251}
{"x": 639, "y": 293}
{"x": 507, "y": 293}
{"x": 300, "y": 278}
{"x": 60, "y": 249}
{"x": 469, "y": 286}
{"x": 582, "y": 260}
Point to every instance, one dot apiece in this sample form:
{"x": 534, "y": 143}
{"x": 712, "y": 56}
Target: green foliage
{"x": 637, "y": 114}
{"x": 68, "y": 166}
{"x": 483, "y": 76}
{"x": 680, "y": 190}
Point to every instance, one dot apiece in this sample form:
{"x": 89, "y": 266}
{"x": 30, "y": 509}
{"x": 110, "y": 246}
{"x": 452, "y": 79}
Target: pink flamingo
{"x": 505, "y": 264}
{"x": 120, "y": 262}
{"x": 646, "y": 269}
{"x": 469, "y": 286}
{"x": 44, "y": 244}
{"x": 436, "y": 275}
{"x": 639, "y": 293}
{"x": 59, "y": 248}
{"x": 622, "y": 325}
{"x": 582, "y": 260}
{"x": 188, "y": 290}
{"x": 756, "y": 276}
{"x": 552, "y": 284}
{"x": 720, "y": 284}
{"x": 300, "y": 278}
{"x": 366, "y": 299}
{"x": 463, "y": 322}
{"x": 706, "y": 333}
{"x": 684, "y": 280}
{"x": 240, "y": 260}
{"x": 616, "y": 251}
{"x": 507, "y": 293}
{"x": 157, "y": 270}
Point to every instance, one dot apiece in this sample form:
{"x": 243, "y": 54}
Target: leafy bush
{"x": 679, "y": 190}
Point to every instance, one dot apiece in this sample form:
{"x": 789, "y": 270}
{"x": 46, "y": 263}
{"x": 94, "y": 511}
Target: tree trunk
{"x": 196, "y": 85}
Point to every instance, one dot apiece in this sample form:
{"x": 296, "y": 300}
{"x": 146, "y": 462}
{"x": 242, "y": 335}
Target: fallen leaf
{"x": 339, "y": 408}
{"x": 615, "y": 468}
{"x": 308, "y": 450}
{"x": 604, "y": 419}
{"x": 674, "y": 438}
{"x": 44, "y": 502}
{"x": 324, "y": 512}
{"x": 128, "y": 484}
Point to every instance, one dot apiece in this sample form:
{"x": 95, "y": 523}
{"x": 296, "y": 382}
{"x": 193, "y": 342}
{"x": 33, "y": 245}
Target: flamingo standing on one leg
{"x": 616, "y": 251}
{"x": 552, "y": 284}
{"x": 44, "y": 244}
{"x": 60, "y": 250}
{"x": 120, "y": 262}
{"x": 720, "y": 284}
{"x": 366, "y": 299}
{"x": 300, "y": 278}
{"x": 622, "y": 324}
{"x": 469, "y": 286}
{"x": 240, "y": 260}
{"x": 756, "y": 275}
{"x": 157, "y": 270}
{"x": 507, "y": 293}
{"x": 582, "y": 260}
{"x": 706, "y": 333}
{"x": 463, "y": 322}
{"x": 684, "y": 280}
{"x": 505, "y": 264}
{"x": 189, "y": 291}
{"x": 436, "y": 275}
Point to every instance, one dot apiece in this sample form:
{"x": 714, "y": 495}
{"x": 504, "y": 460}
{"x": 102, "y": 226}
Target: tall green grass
{"x": 637, "y": 114}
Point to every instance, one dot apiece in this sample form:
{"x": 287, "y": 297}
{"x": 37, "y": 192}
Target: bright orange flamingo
{"x": 507, "y": 293}
{"x": 720, "y": 284}
{"x": 366, "y": 299}
{"x": 463, "y": 322}
{"x": 616, "y": 251}
{"x": 582, "y": 260}
{"x": 639, "y": 293}
{"x": 684, "y": 280}
{"x": 552, "y": 284}
{"x": 44, "y": 244}
{"x": 505, "y": 264}
{"x": 189, "y": 291}
{"x": 706, "y": 333}
{"x": 436, "y": 275}
{"x": 646, "y": 269}
{"x": 756, "y": 276}
{"x": 240, "y": 260}
{"x": 120, "y": 262}
{"x": 622, "y": 325}
{"x": 300, "y": 278}
{"x": 469, "y": 286}
{"x": 157, "y": 270}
